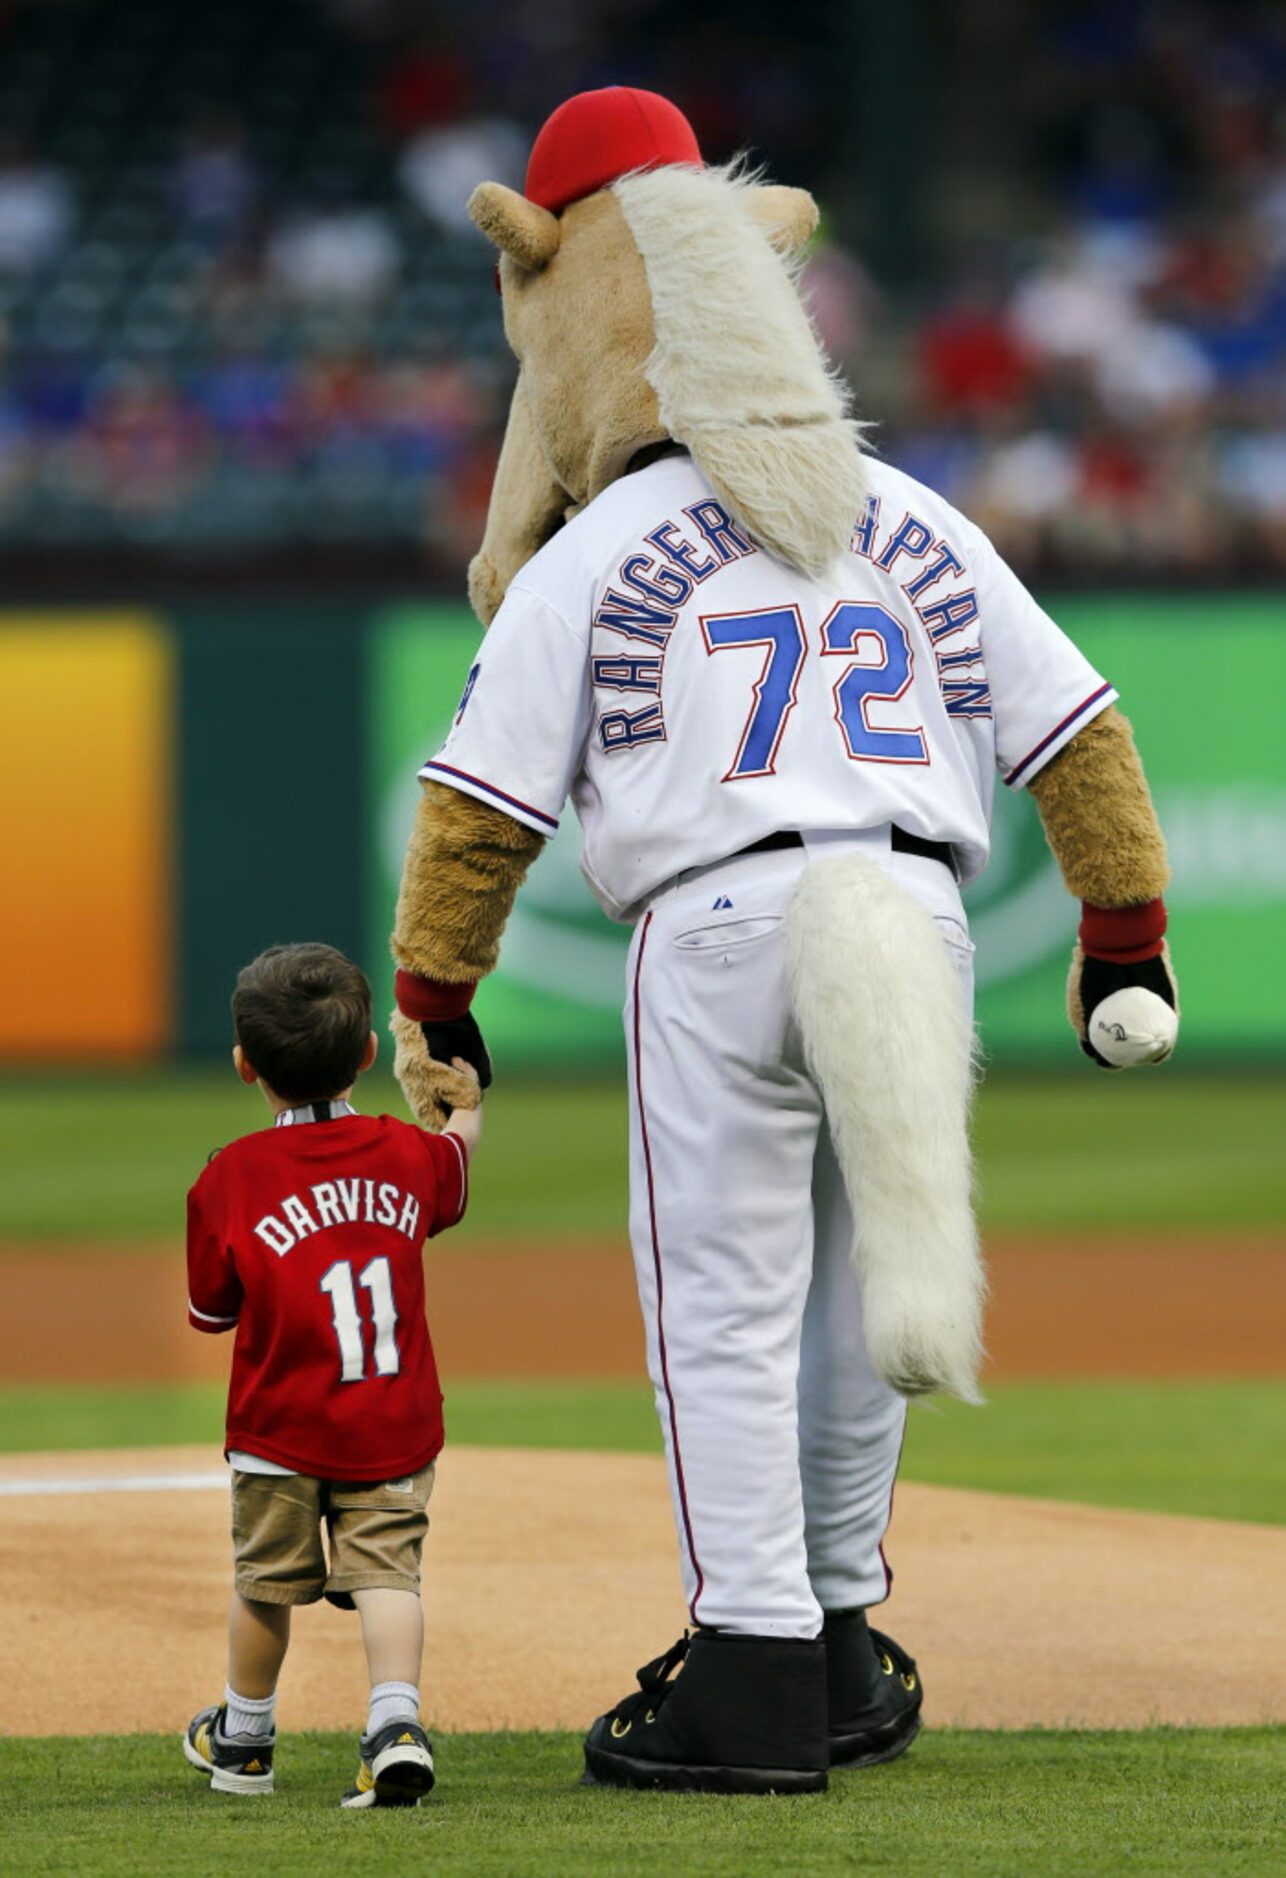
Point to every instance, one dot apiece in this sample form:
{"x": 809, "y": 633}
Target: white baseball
{"x": 1133, "y": 1026}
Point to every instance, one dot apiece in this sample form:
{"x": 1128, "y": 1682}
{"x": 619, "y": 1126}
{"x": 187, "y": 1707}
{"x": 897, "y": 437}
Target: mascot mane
{"x": 738, "y": 371}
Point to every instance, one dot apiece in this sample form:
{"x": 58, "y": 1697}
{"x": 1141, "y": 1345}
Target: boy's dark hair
{"x": 303, "y": 1016}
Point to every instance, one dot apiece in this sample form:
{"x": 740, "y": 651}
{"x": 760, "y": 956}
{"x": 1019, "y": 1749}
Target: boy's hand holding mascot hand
{"x": 1122, "y": 997}
{"x": 422, "y": 1062}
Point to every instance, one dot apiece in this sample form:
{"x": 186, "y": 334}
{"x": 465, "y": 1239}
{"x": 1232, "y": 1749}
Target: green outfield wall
{"x": 1203, "y": 678}
{"x": 270, "y": 753}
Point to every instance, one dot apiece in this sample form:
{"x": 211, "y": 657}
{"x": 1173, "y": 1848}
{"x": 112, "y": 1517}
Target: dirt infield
{"x": 1101, "y": 1306}
{"x": 551, "y": 1576}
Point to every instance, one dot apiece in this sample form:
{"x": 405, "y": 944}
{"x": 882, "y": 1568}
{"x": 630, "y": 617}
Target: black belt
{"x": 899, "y": 840}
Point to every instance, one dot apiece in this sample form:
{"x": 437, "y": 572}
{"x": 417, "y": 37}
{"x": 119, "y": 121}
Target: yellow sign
{"x": 85, "y": 950}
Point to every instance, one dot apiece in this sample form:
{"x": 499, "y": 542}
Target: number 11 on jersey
{"x": 349, "y": 1329}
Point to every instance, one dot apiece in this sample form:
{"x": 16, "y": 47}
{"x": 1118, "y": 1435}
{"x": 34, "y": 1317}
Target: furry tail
{"x": 888, "y": 1040}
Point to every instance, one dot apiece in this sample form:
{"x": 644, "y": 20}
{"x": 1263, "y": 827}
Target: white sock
{"x": 249, "y": 1715}
{"x": 390, "y": 1702}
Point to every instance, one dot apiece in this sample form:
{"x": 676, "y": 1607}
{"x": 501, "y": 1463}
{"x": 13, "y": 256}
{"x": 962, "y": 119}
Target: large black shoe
{"x": 747, "y": 1715}
{"x": 873, "y": 1692}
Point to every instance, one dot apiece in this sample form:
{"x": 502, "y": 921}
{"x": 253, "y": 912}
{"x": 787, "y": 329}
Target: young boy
{"x": 306, "y": 1238}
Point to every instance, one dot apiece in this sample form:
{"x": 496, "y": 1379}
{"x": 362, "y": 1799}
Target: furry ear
{"x": 523, "y": 230}
{"x": 787, "y": 216}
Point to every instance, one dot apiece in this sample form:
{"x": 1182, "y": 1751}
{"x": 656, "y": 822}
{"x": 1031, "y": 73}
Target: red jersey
{"x": 306, "y": 1239}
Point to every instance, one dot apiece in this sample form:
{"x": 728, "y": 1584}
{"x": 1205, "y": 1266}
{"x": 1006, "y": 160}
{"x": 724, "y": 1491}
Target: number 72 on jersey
{"x": 878, "y": 668}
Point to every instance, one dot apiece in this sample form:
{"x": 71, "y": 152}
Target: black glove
{"x": 459, "y": 1036}
{"x": 1101, "y": 977}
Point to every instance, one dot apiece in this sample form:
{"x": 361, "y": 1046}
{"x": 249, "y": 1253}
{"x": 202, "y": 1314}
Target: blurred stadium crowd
{"x": 241, "y": 304}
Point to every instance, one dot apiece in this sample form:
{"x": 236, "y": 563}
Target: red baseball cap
{"x": 598, "y": 136}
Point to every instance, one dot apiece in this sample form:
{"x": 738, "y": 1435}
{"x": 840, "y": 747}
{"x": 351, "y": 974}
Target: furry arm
{"x": 1099, "y": 821}
{"x": 464, "y": 864}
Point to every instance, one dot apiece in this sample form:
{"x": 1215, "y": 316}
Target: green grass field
{"x": 107, "y": 1160}
{"x": 1162, "y": 1803}
{"x": 1209, "y": 1448}
{"x": 111, "y": 1157}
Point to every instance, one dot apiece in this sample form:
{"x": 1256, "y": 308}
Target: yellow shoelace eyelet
{"x": 908, "y": 1682}
{"x": 886, "y": 1664}
{"x": 620, "y": 1728}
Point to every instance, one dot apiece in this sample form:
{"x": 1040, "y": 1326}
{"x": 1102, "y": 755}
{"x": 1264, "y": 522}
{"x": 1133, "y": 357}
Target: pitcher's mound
{"x": 550, "y": 1576}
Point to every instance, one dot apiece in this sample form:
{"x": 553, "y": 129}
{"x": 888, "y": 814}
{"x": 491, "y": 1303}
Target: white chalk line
{"x": 116, "y": 1483}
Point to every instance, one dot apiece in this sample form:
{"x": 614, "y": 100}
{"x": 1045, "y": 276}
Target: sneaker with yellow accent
{"x": 235, "y": 1763}
{"x": 396, "y": 1767}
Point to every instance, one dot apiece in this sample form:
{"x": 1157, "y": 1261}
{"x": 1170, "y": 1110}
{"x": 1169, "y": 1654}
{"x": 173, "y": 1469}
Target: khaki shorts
{"x": 375, "y": 1531}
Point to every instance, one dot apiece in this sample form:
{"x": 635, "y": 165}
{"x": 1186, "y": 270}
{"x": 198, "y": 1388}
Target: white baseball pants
{"x": 782, "y": 1444}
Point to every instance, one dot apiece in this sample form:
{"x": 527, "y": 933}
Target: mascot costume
{"x": 777, "y": 679}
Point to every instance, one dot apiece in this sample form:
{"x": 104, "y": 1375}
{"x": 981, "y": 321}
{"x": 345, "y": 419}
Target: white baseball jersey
{"x": 691, "y": 694}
